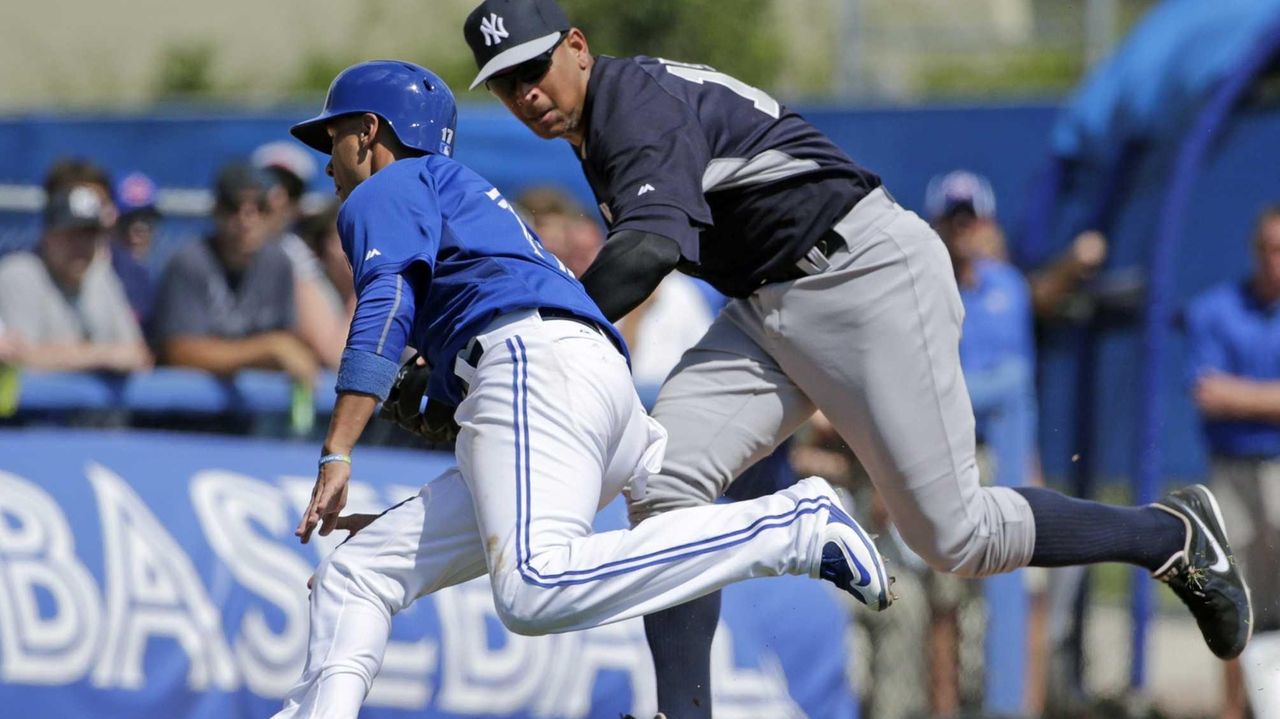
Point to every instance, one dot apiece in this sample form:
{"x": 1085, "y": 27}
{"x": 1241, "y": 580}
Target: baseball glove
{"x": 403, "y": 405}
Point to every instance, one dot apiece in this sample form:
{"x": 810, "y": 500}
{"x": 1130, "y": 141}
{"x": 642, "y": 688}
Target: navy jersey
{"x": 744, "y": 185}
{"x": 469, "y": 256}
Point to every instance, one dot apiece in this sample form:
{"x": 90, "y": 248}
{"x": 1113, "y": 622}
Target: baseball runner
{"x": 842, "y": 301}
{"x": 549, "y": 425}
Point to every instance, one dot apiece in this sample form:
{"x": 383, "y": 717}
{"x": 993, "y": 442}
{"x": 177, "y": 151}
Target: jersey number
{"x": 497, "y": 197}
{"x": 701, "y": 73}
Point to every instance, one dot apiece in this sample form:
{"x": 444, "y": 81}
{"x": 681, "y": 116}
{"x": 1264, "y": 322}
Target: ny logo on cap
{"x": 493, "y": 29}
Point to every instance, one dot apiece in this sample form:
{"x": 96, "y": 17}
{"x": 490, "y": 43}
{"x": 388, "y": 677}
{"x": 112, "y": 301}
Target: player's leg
{"x": 551, "y": 429}
{"x": 423, "y": 544}
{"x": 726, "y": 406}
{"x": 875, "y": 341}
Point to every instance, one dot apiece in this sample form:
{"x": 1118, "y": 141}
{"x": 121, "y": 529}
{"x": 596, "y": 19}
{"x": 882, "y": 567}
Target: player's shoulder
{"x": 19, "y": 263}
{"x": 402, "y": 183}
{"x": 1225, "y": 299}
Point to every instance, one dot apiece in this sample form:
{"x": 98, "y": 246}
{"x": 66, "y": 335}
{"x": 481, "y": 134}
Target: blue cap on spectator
{"x": 958, "y": 191}
{"x": 136, "y": 194}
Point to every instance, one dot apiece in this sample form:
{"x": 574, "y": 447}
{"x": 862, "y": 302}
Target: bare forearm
{"x": 1262, "y": 403}
{"x": 223, "y": 356}
{"x": 351, "y": 414}
{"x": 86, "y": 356}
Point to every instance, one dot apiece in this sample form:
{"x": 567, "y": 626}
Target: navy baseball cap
{"x": 506, "y": 33}
{"x": 79, "y": 207}
{"x": 958, "y": 191}
{"x": 240, "y": 181}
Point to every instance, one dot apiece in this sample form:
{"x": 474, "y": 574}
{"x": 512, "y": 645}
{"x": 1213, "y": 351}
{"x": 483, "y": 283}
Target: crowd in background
{"x": 269, "y": 287}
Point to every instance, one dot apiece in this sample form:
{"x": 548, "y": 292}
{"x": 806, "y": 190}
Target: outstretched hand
{"x": 327, "y": 500}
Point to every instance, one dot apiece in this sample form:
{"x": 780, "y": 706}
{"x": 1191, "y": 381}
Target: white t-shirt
{"x": 676, "y": 319}
{"x": 32, "y": 304}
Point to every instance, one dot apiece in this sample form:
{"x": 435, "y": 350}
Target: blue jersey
{"x": 437, "y": 254}
{"x": 997, "y": 318}
{"x": 745, "y": 186}
{"x": 1229, "y": 331}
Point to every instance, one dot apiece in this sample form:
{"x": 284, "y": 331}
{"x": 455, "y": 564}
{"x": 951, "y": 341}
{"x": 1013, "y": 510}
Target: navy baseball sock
{"x": 1076, "y": 531}
{"x": 680, "y": 640}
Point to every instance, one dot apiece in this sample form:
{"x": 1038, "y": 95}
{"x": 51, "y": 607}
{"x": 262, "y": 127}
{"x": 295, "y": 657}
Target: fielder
{"x": 843, "y": 302}
{"x": 550, "y": 428}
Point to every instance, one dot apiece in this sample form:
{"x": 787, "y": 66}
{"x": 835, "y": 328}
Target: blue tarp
{"x": 1164, "y": 72}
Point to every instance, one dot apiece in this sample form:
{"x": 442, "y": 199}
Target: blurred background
{"x": 1113, "y": 160}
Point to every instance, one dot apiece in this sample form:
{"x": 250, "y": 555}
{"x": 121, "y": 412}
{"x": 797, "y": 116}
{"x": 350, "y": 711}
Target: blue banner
{"x": 156, "y": 575}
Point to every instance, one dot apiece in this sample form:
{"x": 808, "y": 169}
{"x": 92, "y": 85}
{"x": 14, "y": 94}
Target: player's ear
{"x": 370, "y": 124}
{"x": 577, "y": 44}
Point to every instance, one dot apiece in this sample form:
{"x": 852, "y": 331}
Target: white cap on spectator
{"x": 286, "y": 156}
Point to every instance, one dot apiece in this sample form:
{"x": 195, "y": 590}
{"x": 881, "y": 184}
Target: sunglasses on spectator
{"x": 528, "y": 72}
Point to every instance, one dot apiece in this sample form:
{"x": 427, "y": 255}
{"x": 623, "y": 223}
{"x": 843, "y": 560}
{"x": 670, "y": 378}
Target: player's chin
{"x": 548, "y": 129}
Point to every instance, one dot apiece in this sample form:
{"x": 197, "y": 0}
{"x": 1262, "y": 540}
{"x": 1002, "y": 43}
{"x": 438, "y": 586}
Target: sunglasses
{"x": 529, "y": 72}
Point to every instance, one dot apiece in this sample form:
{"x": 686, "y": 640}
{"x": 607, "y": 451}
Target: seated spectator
{"x": 661, "y": 328}
{"x": 135, "y": 198}
{"x": 320, "y": 232}
{"x": 563, "y": 226}
{"x": 226, "y": 303}
{"x": 62, "y": 306}
{"x": 1234, "y": 345}
{"x": 321, "y": 325}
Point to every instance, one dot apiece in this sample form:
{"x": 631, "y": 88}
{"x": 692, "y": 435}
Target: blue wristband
{"x": 331, "y": 458}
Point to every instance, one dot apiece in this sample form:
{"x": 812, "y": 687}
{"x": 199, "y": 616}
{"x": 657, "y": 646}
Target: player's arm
{"x": 628, "y": 270}
{"x": 379, "y": 333}
{"x": 1219, "y": 392}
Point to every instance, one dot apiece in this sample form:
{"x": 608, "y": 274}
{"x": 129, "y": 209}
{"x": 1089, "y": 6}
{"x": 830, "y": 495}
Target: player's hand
{"x": 1221, "y": 395}
{"x": 355, "y": 522}
{"x": 328, "y": 498}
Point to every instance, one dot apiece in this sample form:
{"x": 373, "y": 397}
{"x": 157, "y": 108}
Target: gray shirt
{"x": 32, "y": 304}
{"x": 198, "y": 297}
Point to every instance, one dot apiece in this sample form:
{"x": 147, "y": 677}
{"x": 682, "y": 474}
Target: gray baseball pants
{"x": 872, "y": 342}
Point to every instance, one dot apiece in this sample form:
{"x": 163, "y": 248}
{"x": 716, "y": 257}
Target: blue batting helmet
{"x": 413, "y": 101}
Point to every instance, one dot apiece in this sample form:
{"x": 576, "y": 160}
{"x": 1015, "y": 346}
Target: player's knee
{"x": 995, "y": 536}
{"x": 529, "y": 607}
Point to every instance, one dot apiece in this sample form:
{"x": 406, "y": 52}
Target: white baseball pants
{"x": 552, "y": 431}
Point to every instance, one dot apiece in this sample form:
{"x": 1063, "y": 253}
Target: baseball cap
{"x": 77, "y": 207}
{"x": 960, "y": 190}
{"x": 135, "y": 194}
{"x": 286, "y": 156}
{"x": 237, "y": 178}
{"x": 506, "y": 33}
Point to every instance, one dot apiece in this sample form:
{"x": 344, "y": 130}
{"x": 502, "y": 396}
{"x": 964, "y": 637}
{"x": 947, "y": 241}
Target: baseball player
{"x": 842, "y": 301}
{"x": 550, "y": 427}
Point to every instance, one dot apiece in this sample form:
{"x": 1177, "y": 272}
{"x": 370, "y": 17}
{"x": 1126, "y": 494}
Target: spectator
{"x": 320, "y": 324}
{"x": 1234, "y": 344}
{"x": 135, "y": 199}
{"x": 320, "y": 232}
{"x": 227, "y": 302}
{"x": 997, "y": 354}
{"x": 63, "y": 307}
{"x": 1053, "y": 286}
{"x": 661, "y": 328}
{"x": 563, "y": 226}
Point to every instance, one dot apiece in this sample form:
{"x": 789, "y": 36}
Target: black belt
{"x": 474, "y": 350}
{"x": 827, "y": 245}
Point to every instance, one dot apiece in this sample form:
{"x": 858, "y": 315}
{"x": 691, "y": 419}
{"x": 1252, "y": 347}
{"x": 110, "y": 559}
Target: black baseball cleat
{"x": 1204, "y": 574}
